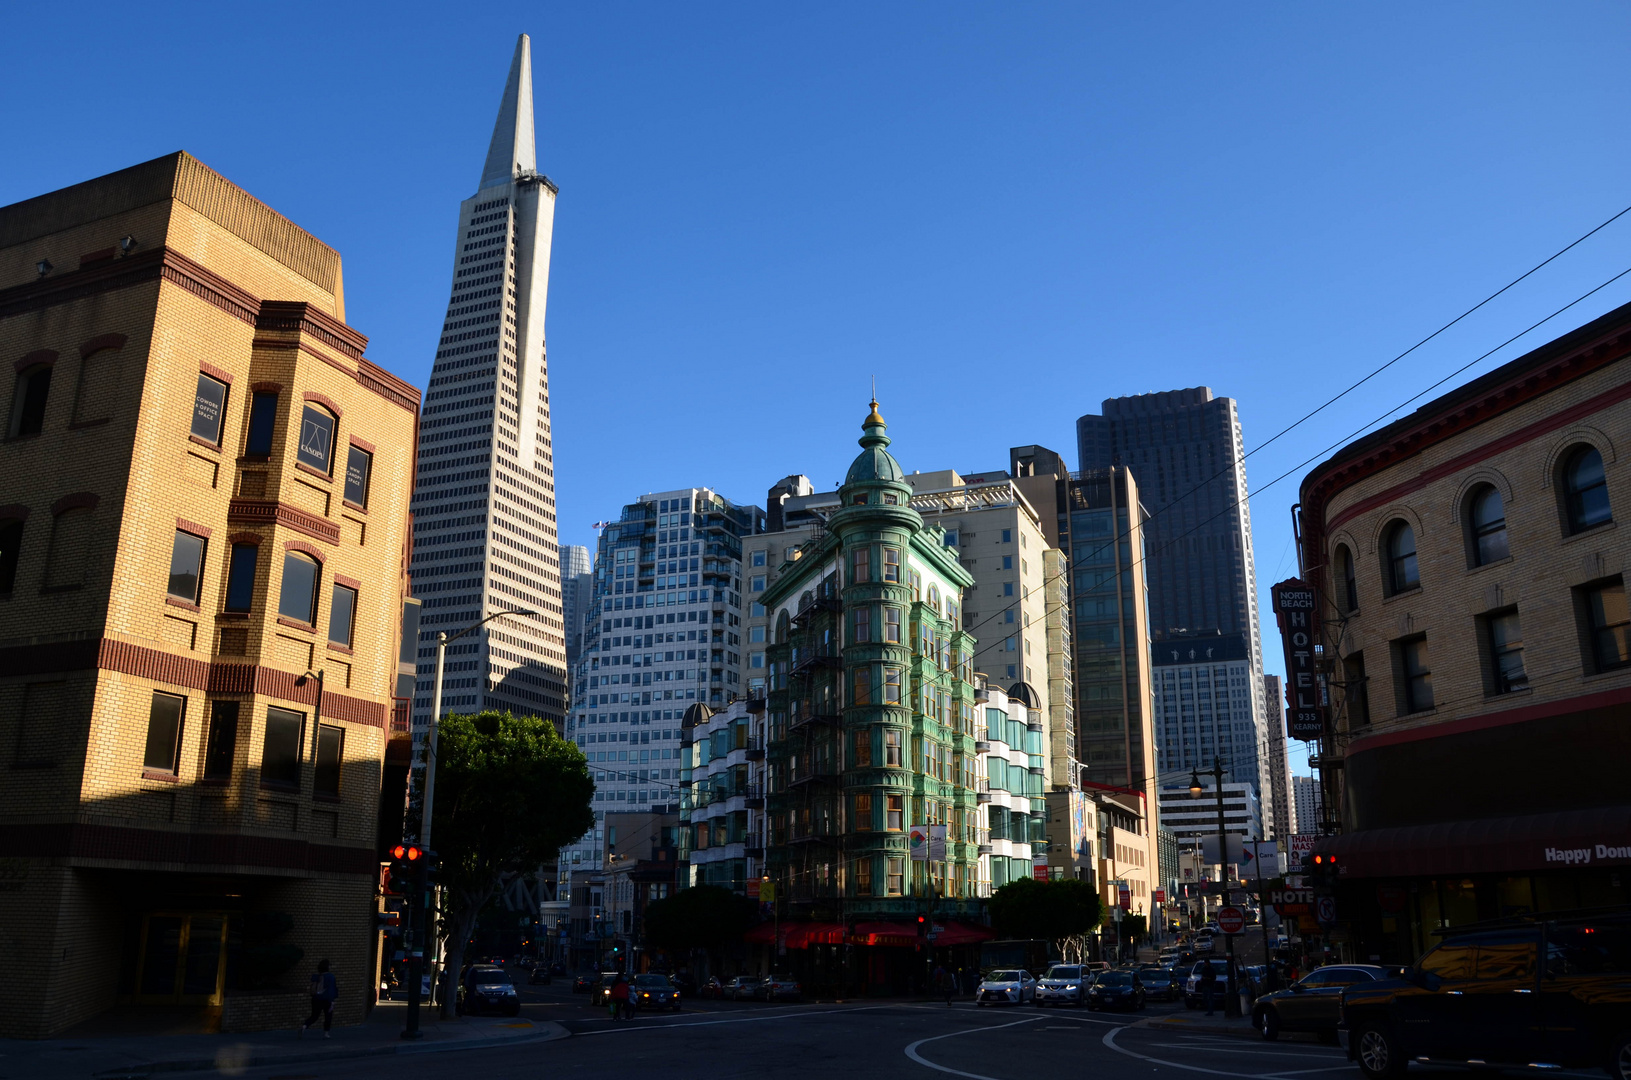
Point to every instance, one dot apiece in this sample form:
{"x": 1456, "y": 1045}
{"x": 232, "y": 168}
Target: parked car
{"x": 584, "y": 981}
{"x": 1160, "y": 983}
{"x": 1064, "y": 984}
{"x": 713, "y": 988}
{"x": 1311, "y": 1003}
{"x": 1192, "y": 982}
{"x": 1005, "y": 986}
{"x": 487, "y": 988}
{"x": 1551, "y": 992}
{"x": 684, "y": 983}
{"x": 1116, "y": 990}
{"x": 652, "y": 991}
{"x": 780, "y": 988}
{"x": 741, "y": 987}
{"x": 538, "y": 974}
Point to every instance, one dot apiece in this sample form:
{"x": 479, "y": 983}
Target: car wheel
{"x": 1379, "y": 1055}
{"x": 1619, "y": 1062}
{"x": 1267, "y": 1022}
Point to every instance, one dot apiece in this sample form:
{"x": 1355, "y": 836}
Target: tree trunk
{"x": 460, "y": 922}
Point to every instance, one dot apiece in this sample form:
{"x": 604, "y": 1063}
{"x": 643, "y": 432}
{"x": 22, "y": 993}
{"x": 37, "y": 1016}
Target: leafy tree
{"x": 510, "y": 792}
{"x": 1053, "y": 911}
{"x": 705, "y": 917}
{"x": 1134, "y": 928}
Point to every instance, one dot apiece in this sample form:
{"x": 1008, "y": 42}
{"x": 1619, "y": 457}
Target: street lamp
{"x": 416, "y": 963}
{"x": 1231, "y": 1003}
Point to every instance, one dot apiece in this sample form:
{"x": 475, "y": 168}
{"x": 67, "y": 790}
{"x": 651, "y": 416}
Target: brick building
{"x": 203, "y": 507}
{"x": 1476, "y": 631}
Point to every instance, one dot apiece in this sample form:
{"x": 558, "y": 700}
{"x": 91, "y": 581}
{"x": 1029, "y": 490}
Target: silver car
{"x": 1006, "y": 986}
{"x": 1064, "y": 984}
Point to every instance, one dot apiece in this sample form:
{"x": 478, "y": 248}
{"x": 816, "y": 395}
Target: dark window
{"x": 1588, "y": 950}
{"x": 298, "y": 598}
{"x": 209, "y": 406}
{"x": 1347, "y": 586}
{"x": 28, "y": 401}
{"x": 280, "y": 755}
{"x": 1450, "y": 962}
{"x": 1505, "y": 638}
{"x": 70, "y": 548}
{"x": 186, "y": 562}
{"x": 11, "y": 544}
{"x": 1511, "y": 958}
{"x": 330, "y": 752}
{"x": 1415, "y": 678}
{"x": 1356, "y": 685}
{"x": 357, "y": 468}
{"x": 1401, "y": 558}
{"x": 1487, "y": 525}
{"x": 262, "y": 420}
{"x": 341, "y": 613}
{"x": 241, "y": 577}
{"x": 1585, "y": 490}
{"x": 164, "y": 732}
{"x": 316, "y": 439}
{"x": 221, "y": 749}
{"x": 1608, "y": 621}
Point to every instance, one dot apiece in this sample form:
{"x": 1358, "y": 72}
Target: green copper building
{"x": 871, "y": 716}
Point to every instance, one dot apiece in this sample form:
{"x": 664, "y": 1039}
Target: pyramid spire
{"x": 513, "y": 149}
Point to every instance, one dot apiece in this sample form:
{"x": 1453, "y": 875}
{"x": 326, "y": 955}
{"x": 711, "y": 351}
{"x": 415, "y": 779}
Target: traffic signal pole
{"x": 1231, "y": 1004}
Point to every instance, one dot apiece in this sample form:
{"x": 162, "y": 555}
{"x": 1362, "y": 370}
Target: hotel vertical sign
{"x": 1296, "y": 608}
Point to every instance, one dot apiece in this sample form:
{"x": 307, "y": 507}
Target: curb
{"x": 225, "y": 1059}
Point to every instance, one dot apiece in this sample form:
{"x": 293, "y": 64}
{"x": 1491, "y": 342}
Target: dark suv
{"x": 1553, "y": 992}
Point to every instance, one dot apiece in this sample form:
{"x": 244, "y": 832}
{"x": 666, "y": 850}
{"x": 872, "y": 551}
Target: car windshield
{"x": 1002, "y": 976}
{"x": 780, "y": 978}
{"x": 1064, "y": 971}
{"x": 651, "y": 980}
{"x": 1152, "y": 973}
{"x": 488, "y": 976}
{"x": 1116, "y": 978}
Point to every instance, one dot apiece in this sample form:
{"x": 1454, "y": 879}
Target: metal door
{"x": 182, "y": 959}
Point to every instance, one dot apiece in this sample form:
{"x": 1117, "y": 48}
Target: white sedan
{"x": 1006, "y": 986}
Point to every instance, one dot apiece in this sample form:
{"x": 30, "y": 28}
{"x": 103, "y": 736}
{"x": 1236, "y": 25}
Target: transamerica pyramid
{"x": 484, "y": 500}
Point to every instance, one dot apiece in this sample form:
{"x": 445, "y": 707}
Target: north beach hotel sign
{"x": 1296, "y": 608}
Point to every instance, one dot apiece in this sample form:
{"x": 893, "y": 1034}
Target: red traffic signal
{"x": 405, "y": 851}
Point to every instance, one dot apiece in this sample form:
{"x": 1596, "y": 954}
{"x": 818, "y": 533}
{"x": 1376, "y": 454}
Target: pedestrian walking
{"x": 1209, "y": 985}
{"x": 618, "y": 998}
{"x": 943, "y": 983}
{"x": 324, "y": 992}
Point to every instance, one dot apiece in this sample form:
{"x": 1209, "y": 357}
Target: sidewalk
{"x": 139, "y": 1056}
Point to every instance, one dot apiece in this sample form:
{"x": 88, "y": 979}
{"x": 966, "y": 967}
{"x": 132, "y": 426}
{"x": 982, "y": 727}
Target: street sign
{"x": 917, "y": 843}
{"x": 1325, "y": 909}
{"x": 1290, "y": 902}
{"x": 1296, "y": 606}
{"x": 1159, "y": 896}
{"x": 1231, "y": 920}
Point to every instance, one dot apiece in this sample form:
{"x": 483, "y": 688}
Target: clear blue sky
{"x": 1006, "y": 214}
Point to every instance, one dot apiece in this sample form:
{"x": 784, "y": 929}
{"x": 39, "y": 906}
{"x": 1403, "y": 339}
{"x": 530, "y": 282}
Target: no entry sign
{"x": 1231, "y": 920}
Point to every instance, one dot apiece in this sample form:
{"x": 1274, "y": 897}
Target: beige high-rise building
{"x": 203, "y": 537}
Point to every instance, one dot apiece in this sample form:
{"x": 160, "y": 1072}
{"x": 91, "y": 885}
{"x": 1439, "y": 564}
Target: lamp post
{"x": 1231, "y": 1001}
{"x": 416, "y": 962}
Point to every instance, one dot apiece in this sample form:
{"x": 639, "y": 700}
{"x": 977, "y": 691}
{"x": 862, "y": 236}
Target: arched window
{"x": 1347, "y": 586}
{"x": 1585, "y": 490}
{"x": 782, "y": 624}
{"x": 1401, "y": 558}
{"x": 298, "y": 597}
{"x": 1486, "y": 526}
{"x": 11, "y": 545}
{"x": 934, "y": 598}
{"x": 28, "y": 401}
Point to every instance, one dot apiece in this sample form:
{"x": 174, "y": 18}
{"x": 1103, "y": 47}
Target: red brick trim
{"x": 156, "y": 774}
{"x": 301, "y": 466}
{"x": 38, "y": 357}
{"x": 161, "y": 264}
{"x": 219, "y": 374}
{"x": 205, "y": 443}
{"x": 272, "y": 512}
{"x": 345, "y": 369}
{"x": 74, "y": 502}
{"x": 335, "y": 646}
{"x": 81, "y": 425}
{"x": 358, "y": 507}
{"x": 363, "y": 444}
{"x": 324, "y": 400}
{"x": 102, "y": 255}
{"x": 296, "y": 624}
{"x": 245, "y": 538}
{"x": 79, "y": 843}
{"x": 349, "y": 582}
{"x": 301, "y": 545}
{"x": 193, "y": 527}
{"x": 266, "y": 387}
{"x": 304, "y": 318}
{"x": 13, "y": 512}
{"x": 185, "y": 605}
{"x": 103, "y": 341}
{"x": 376, "y": 379}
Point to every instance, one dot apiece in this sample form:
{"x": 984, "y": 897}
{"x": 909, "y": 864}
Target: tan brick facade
{"x": 127, "y": 840}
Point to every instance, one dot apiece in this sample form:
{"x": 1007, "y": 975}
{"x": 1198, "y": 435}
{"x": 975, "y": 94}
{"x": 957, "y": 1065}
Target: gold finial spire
{"x": 873, "y": 417}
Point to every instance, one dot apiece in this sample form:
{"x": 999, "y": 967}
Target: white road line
{"x": 1301, "y": 1072}
{"x": 741, "y": 1020}
{"x": 1110, "y": 1041}
{"x": 911, "y": 1051}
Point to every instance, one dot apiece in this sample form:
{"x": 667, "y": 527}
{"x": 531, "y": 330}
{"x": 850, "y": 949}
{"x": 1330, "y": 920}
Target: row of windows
{"x": 282, "y": 745}
{"x": 1582, "y": 487}
{"x": 1603, "y": 618}
{"x": 297, "y": 595}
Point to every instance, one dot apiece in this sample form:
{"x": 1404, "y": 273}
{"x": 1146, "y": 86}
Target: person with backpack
{"x": 324, "y": 991}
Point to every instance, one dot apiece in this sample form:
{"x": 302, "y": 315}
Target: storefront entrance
{"x": 182, "y": 959}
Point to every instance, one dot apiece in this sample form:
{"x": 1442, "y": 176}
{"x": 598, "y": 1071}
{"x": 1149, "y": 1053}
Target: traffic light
{"x": 389, "y": 923}
{"x": 405, "y": 864}
{"x": 1322, "y": 868}
{"x": 922, "y": 925}
{"x": 430, "y": 867}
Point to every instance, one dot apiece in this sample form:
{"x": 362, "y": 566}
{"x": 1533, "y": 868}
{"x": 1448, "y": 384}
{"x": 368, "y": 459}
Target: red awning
{"x": 952, "y": 933}
{"x": 763, "y": 934}
{"x": 1566, "y": 839}
{"x": 884, "y": 933}
{"x": 803, "y": 935}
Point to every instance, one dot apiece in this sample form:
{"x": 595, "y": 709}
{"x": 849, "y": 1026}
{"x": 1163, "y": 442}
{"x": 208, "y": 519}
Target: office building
{"x": 577, "y": 586}
{"x": 1277, "y": 762}
{"x": 1186, "y": 450}
{"x": 1208, "y": 701}
{"x": 663, "y": 632}
{"x": 203, "y": 521}
{"x": 1305, "y": 793}
{"x": 722, "y": 795}
{"x": 1191, "y": 819}
{"x": 484, "y": 500}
